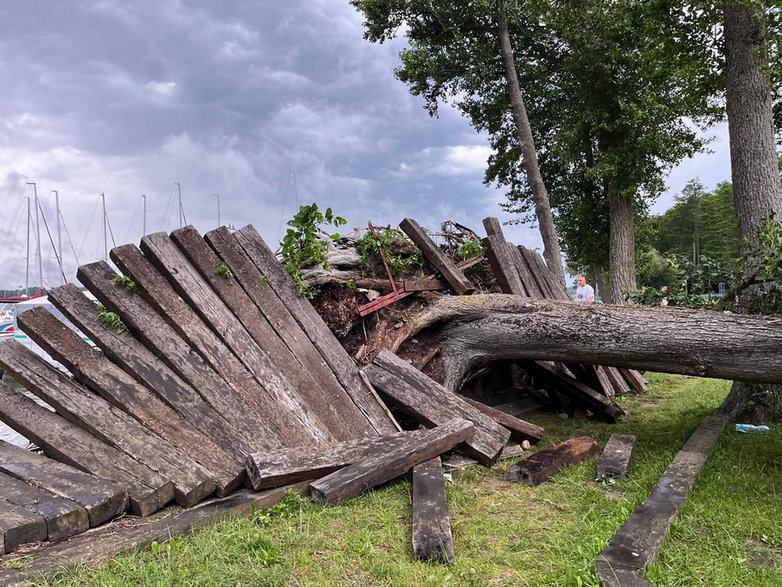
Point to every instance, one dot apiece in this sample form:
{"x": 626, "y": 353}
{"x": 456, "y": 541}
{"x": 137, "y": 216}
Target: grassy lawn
{"x": 728, "y": 533}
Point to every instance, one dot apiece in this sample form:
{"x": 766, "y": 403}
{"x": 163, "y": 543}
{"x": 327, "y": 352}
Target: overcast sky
{"x": 231, "y": 98}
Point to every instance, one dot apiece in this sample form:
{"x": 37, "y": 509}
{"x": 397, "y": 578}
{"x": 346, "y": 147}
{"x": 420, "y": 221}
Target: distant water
{"x": 8, "y": 434}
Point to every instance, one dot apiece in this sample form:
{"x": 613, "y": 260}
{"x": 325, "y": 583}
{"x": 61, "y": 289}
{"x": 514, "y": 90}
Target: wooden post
{"x": 617, "y": 457}
{"x": 432, "y": 538}
{"x": 543, "y": 465}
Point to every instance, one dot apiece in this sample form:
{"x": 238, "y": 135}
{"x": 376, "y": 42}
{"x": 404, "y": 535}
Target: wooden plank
{"x": 597, "y": 403}
{"x": 63, "y": 517}
{"x": 295, "y": 422}
{"x": 536, "y": 283}
{"x": 639, "y": 541}
{"x": 503, "y": 267}
{"x": 69, "y": 444}
{"x": 94, "y": 370}
{"x": 191, "y": 482}
{"x": 278, "y": 417}
{"x": 605, "y": 384}
{"x": 100, "y": 544}
{"x": 291, "y": 465}
{"x": 101, "y": 499}
{"x": 424, "y": 285}
{"x": 437, "y": 258}
{"x": 148, "y": 369}
{"x": 493, "y": 227}
{"x": 337, "y": 414}
{"x": 331, "y": 350}
{"x": 432, "y": 537}
{"x": 158, "y": 336}
{"x": 264, "y": 306}
{"x": 520, "y": 430}
{"x": 617, "y": 457}
{"x": 18, "y": 526}
{"x": 406, "y": 388}
{"x": 635, "y": 380}
{"x": 620, "y": 386}
{"x": 544, "y": 465}
{"x": 555, "y": 288}
{"x": 363, "y": 475}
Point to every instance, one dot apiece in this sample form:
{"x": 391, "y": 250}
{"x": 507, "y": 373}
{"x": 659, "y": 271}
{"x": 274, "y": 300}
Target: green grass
{"x": 728, "y": 533}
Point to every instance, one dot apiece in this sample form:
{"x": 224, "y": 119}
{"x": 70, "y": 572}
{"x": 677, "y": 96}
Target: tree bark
{"x": 754, "y": 166}
{"x": 601, "y": 288}
{"x": 476, "y": 331}
{"x": 551, "y": 250}
{"x": 621, "y": 246}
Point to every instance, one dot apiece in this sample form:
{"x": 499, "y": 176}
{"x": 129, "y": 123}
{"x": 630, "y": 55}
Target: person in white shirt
{"x": 584, "y": 294}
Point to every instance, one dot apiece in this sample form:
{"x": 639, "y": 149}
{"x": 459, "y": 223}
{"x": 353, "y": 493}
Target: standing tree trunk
{"x": 601, "y": 288}
{"x": 551, "y": 250}
{"x": 754, "y": 166}
{"x": 621, "y": 246}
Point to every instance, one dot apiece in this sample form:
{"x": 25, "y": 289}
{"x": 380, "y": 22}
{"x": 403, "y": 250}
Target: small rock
{"x": 525, "y": 444}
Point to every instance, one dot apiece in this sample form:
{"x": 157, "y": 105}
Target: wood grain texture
{"x": 544, "y": 465}
{"x": 361, "y": 476}
{"x": 432, "y": 536}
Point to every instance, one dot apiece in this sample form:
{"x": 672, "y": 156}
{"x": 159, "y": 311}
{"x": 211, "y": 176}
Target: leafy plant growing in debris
{"x": 224, "y": 270}
{"x": 391, "y": 242}
{"x": 127, "y": 282}
{"x": 471, "y": 248}
{"x": 301, "y": 246}
{"x": 112, "y": 320}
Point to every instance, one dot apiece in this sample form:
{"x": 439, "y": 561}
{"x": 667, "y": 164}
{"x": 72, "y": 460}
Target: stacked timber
{"x": 522, "y": 272}
{"x": 201, "y": 355}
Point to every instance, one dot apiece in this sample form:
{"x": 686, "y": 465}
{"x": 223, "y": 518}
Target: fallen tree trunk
{"x": 479, "y": 330}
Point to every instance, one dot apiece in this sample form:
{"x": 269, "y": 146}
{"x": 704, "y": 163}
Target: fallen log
{"x": 432, "y": 537}
{"x": 482, "y": 329}
{"x": 363, "y": 475}
{"x": 543, "y": 465}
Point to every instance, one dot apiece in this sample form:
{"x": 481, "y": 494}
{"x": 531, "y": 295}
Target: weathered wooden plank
{"x": 93, "y": 369}
{"x": 192, "y": 482}
{"x": 493, "y": 227}
{"x": 635, "y": 380}
{"x": 98, "y": 545}
{"x": 283, "y": 466}
{"x": 69, "y": 444}
{"x": 101, "y": 499}
{"x": 331, "y": 350}
{"x": 324, "y": 414}
{"x": 617, "y": 457}
{"x": 431, "y": 404}
{"x": 618, "y": 383}
{"x": 597, "y": 403}
{"x": 276, "y": 414}
{"x": 148, "y": 369}
{"x": 536, "y": 284}
{"x": 262, "y": 306}
{"x": 604, "y": 382}
{"x": 437, "y": 258}
{"x": 151, "y": 329}
{"x": 555, "y": 288}
{"x": 520, "y": 430}
{"x": 424, "y": 285}
{"x": 63, "y": 517}
{"x": 542, "y": 466}
{"x": 638, "y": 542}
{"x": 503, "y": 267}
{"x": 18, "y": 526}
{"x": 363, "y": 475}
{"x": 432, "y": 537}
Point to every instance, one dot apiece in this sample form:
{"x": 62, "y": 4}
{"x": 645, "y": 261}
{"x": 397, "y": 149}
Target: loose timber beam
{"x": 617, "y": 457}
{"x": 432, "y": 537}
{"x": 357, "y": 478}
{"x": 191, "y": 482}
{"x": 102, "y": 499}
{"x": 18, "y": 526}
{"x": 520, "y": 430}
{"x": 437, "y": 258}
{"x": 147, "y": 368}
{"x": 94, "y": 370}
{"x": 543, "y": 465}
{"x": 69, "y": 444}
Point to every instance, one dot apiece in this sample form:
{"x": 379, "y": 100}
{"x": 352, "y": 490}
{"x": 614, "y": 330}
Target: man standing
{"x": 584, "y": 294}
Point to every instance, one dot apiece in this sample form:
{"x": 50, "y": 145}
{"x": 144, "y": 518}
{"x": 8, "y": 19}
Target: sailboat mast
{"x": 218, "y": 209}
{"x": 27, "y": 267}
{"x": 105, "y": 239}
{"x": 37, "y": 233}
{"x": 179, "y": 192}
{"x": 58, "y": 252}
{"x": 144, "y": 222}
